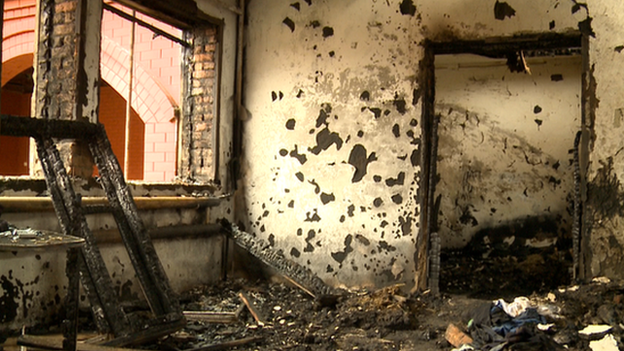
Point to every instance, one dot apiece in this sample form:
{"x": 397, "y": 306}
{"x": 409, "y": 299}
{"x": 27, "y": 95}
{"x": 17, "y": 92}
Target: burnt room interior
{"x": 311, "y": 175}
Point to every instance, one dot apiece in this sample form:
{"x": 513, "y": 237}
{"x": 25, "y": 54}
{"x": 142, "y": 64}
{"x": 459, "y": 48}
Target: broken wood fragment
{"x": 299, "y": 286}
{"x": 303, "y": 277}
{"x": 228, "y": 344}
{"x": 456, "y": 337}
{"x": 56, "y": 343}
{"x": 211, "y": 317}
{"x": 251, "y": 308}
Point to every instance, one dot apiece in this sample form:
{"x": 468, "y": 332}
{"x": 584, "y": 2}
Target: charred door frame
{"x": 427, "y": 264}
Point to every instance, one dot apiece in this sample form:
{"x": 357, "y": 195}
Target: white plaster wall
{"x": 504, "y": 141}
{"x": 606, "y": 62}
{"x": 293, "y": 74}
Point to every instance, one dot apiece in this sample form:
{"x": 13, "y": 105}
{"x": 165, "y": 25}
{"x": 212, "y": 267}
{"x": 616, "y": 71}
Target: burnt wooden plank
{"x": 147, "y": 265}
{"x": 93, "y": 273}
{"x": 35, "y": 127}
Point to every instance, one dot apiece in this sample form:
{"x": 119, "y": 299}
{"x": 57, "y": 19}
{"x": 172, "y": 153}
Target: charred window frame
{"x": 428, "y": 248}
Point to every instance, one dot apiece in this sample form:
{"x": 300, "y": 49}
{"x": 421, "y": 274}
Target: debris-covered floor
{"x": 386, "y": 319}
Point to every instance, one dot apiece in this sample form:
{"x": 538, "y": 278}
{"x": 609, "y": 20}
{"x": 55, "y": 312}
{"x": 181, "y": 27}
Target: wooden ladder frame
{"x": 108, "y": 314}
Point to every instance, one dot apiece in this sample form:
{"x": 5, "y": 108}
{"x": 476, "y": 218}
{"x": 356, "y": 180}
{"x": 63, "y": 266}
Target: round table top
{"x": 29, "y": 239}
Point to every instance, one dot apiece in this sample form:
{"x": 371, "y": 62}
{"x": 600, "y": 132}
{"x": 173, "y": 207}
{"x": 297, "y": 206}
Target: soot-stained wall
{"x": 504, "y": 146}
{"x": 333, "y": 124}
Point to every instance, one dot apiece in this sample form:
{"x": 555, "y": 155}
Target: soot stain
{"x": 468, "y": 218}
{"x": 324, "y": 112}
{"x": 551, "y": 25}
{"x": 362, "y": 239}
{"x": 283, "y": 152}
{"x": 299, "y": 176}
{"x": 327, "y": 198}
{"x": 312, "y": 217}
{"x": 376, "y": 111}
{"x": 289, "y": 23}
{"x": 377, "y": 202}
{"x": 399, "y": 104}
{"x": 377, "y": 178}
{"x": 537, "y": 109}
{"x": 315, "y": 24}
{"x": 296, "y": 6}
{"x": 325, "y": 139}
{"x": 350, "y": 210}
{"x": 302, "y": 158}
{"x": 271, "y": 240}
{"x": 585, "y": 27}
{"x": 365, "y": 96}
{"x": 397, "y": 199}
{"x": 340, "y": 256}
{"x": 291, "y": 204}
{"x": 290, "y": 124}
{"x": 556, "y": 77}
{"x": 359, "y": 160}
{"x": 415, "y": 158}
{"x": 406, "y": 225}
{"x": 8, "y": 301}
{"x": 317, "y": 188}
{"x": 294, "y": 252}
{"x": 396, "y": 130}
{"x": 328, "y": 31}
{"x": 407, "y": 7}
{"x": 502, "y": 10}
{"x": 309, "y": 247}
{"x": 399, "y": 180}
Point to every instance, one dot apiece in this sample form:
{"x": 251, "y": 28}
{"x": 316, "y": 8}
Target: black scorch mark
{"x": 315, "y": 24}
{"x": 399, "y": 180}
{"x": 290, "y": 124}
{"x": 350, "y": 210}
{"x": 502, "y": 10}
{"x": 365, "y": 96}
{"x": 327, "y": 198}
{"x": 618, "y": 48}
{"x": 8, "y": 301}
{"x": 406, "y": 225}
{"x": 415, "y": 157}
{"x": 377, "y": 202}
{"x": 289, "y": 23}
{"x": 376, "y": 111}
{"x": 397, "y": 199}
{"x": 537, "y": 109}
{"x": 324, "y": 112}
{"x": 400, "y": 104}
{"x": 294, "y": 252}
{"x": 328, "y": 32}
{"x": 296, "y": 6}
{"x": 299, "y": 176}
{"x": 302, "y": 158}
{"x": 551, "y": 25}
{"x": 312, "y": 217}
{"x": 396, "y": 130}
{"x": 317, "y": 188}
{"x": 325, "y": 139}
{"x": 407, "y": 7}
{"x": 341, "y": 255}
{"x": 359, "y": 160}
{"x": 362, "y": 239}
{"x": 309, "y": 247}
{"x": 556, "y": 77}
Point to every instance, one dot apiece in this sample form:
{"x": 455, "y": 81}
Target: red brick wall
{"x": 14, "y": 151}
{"x": 157, "y": 76}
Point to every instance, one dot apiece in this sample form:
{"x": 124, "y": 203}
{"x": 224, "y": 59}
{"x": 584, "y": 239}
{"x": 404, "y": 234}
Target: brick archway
{"x": 151, "y": 100}
{"x": 155, "y": 107}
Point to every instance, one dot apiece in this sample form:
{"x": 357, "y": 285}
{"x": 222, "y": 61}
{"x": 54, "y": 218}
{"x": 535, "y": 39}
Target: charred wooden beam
{"x": 254, "y": 312}
{"x": 95, "y": 278}
{"x": 36, "y": 127}
{"x": 262, "y": 250}
{"x": 500, "y": 47}
{"x": 148, "y": 267}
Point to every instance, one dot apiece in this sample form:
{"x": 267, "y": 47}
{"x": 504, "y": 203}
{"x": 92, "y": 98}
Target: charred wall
{"x": 332, "y": 154}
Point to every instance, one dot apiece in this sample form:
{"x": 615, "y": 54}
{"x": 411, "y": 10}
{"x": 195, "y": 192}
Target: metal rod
{"x": 145, "y": 24}
{"x": 129, "y": 100}
{"x": 12, "y": 204}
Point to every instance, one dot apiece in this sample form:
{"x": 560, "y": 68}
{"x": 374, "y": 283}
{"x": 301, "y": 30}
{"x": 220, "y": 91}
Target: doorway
{"x": 503, "y": 119}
